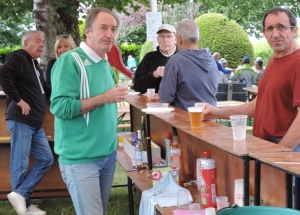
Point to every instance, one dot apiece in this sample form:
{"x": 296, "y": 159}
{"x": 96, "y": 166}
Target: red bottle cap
{"x": 168, "y": 135}
{"x": 206, "y": 154}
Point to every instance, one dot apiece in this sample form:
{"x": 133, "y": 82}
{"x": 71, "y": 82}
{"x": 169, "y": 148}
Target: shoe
{"x": 18, "y": 202}
{"x": 34, "y": 210}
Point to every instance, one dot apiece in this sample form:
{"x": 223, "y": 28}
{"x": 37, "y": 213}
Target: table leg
{"x": 131, "y": 118}
{"x": 246, "y": 180}
{"x": 257, "y": 173}
{"x": 289, "y": 193}
{"x": 130, "y": 196}
{"x": 297, "y": 193}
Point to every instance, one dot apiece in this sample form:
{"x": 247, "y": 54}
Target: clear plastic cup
{"x": 150, "y": 93}
{"x": 210, "y": 211}
{"x": 183, "y": 199}
{"x": 238, "y": 123}
{"x": 196, "y": 116}
{"x": 222, "y": 202}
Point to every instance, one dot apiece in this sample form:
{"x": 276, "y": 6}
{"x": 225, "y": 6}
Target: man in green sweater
{"x": 245, "y": 74}
{"x": 84, "y": 101}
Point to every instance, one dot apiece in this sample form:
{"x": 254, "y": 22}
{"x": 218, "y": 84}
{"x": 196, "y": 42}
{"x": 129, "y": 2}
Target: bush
{"x": 225, "y": 36}
{"x": 131, "y": 49}
{"x": 146, "y": 47}
{"x": 263, "y": 50}
{"x": 5, "y": 51}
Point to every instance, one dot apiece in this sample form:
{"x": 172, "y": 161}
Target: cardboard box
{"x": 130, "y": 149}
{"x": 160, "y": 174}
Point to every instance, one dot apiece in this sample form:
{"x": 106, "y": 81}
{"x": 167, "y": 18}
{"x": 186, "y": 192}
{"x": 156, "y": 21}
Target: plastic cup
{"x": 200, "y": 104}
{"x": 222, "y": 202}
{"x": 123, "y": 84}
{"x": 150, "y": 93}
{"x": 210, "y": 211}
{"x": 194, "y": 207}
{"x": 238, "y": 123}
{"x": 196, "y": 116}
{"x": 183, "y": 199}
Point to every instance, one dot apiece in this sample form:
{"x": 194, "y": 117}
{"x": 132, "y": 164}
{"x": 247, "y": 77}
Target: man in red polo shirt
{"x": 277, "y": 106}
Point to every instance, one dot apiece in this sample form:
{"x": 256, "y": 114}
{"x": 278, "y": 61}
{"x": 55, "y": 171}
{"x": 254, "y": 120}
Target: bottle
{"x": 133, "y": 143}
{"x": 138, "y": 152}
{"x": 144, "y": 144}
{"x": 181, "y": 168}
{"x": 208, "y": 180}
{"x": 168, "y": 141}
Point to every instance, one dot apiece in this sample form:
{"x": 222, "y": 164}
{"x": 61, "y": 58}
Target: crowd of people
{"x": 84, "y": 99}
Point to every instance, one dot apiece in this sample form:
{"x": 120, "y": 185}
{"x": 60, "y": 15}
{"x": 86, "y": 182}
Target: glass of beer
{"x": 196, "y": 116}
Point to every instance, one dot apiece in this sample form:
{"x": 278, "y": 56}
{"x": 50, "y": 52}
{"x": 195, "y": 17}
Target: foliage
{"x": 81, "y": 29}
{"x": 131, "y": 49}
{"x": 11, "y": 32}
{"x": 4, "y": 51}
{"x": 263, "y": 50}
{"x": 222, "y": 35}
{"x": 137, "y": 37}
{"x": 146, "y": 47}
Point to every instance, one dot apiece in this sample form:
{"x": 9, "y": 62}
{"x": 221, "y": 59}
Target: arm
{"x": 168, "y": 85}
{"x": 292, "y": 138}
{"x": 220, "y": 68}
{"x": 224, "y": 113}
{"x": 144, "y": 77}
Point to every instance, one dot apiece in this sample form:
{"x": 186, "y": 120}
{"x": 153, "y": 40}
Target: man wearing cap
{"x": 245, "y": 74}
{"x": 216, "y": 56}
{"x": 151, "y": 69}
{"x": 223, "y": 62}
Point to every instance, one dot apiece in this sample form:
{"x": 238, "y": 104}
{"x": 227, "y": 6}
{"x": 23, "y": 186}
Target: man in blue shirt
{"x": 216, "y": 56}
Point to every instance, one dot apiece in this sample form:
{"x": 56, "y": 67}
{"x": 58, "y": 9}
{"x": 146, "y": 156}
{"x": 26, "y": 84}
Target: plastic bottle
{"x": 208, "y": 180}
{"x": 181, "y": 168}
{"x": 168, "y": 148}
{"x": 138, "y": 152}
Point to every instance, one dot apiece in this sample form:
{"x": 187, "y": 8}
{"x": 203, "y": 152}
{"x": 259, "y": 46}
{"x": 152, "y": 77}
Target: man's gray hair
{"x": 188, "y": 30}
{"x": 28, "y": 35}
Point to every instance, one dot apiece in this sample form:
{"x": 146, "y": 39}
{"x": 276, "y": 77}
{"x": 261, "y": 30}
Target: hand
{"x": 232, "y": 70}
{"x": 159, "y": 72}
{"x": 24, "y": 107}
{"x": 210, "y": 112}
{"x": 153, "y": 99}
{"x": 117, "y": 94}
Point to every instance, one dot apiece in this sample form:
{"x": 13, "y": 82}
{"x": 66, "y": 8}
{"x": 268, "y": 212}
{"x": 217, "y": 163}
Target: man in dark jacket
{"x": 151, "y": 69}
{"x": 22, "y": 81}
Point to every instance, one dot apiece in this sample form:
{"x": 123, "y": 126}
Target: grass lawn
{"x": 117, "y": 205}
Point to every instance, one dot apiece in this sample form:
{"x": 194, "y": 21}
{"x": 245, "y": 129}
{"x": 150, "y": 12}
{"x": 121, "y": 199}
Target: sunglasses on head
{"x": 63, "y": 36}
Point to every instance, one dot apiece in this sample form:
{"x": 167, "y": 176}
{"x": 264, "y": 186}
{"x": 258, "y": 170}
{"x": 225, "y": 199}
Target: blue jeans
{"x": 25, "y": 140}
{"x": 89, "y": 184}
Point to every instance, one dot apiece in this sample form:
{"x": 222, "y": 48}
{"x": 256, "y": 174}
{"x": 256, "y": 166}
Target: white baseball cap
{"x": 167, "y": 27}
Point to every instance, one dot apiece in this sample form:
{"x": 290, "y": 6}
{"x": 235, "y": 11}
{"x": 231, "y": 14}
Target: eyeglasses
{"x": 63, "y": 36}
{"x": 280, "y": 28}
{"x": 162, "y": 37}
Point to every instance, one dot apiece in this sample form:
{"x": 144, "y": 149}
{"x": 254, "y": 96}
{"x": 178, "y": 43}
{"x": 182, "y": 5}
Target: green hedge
{"x": 220, "y": 34}
{"x": 5, "y": 51}
{"x": 131, "y": 49}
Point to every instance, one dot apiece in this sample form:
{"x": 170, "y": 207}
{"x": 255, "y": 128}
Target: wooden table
{"x": 231, "y": 156}
{"x": 229, "y": 103}
{"x": 290, "y": 170}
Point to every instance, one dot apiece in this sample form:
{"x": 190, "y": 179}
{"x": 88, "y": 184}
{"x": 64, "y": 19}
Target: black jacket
{"x": 144, "y": 78}
{"x": 20, "y": 81}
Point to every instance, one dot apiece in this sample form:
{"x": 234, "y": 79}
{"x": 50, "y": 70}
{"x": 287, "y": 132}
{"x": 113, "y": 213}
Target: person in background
{"x": 63, "y": 44}
{"x": 21, "y": 78}
{"x": 276, "y": 108}
{"x": 216, "y": 56}
{"x": 259, "y": 66}
{"x": 151, "y": 69}
{"x": 244, "y": 74}
{"x": 84, "y": 102}
{"x": 223, "y": 62}
{"x": 222, "y": 78}
{"x": 131, "y": 63}
{"x": 191, "y": 75}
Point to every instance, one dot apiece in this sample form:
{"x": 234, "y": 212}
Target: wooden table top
{"x": 213, "y": 133}
{"x": 229, "y": 103}
{"x": 251, "y": 89}
{"x": 272, "y": 158}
